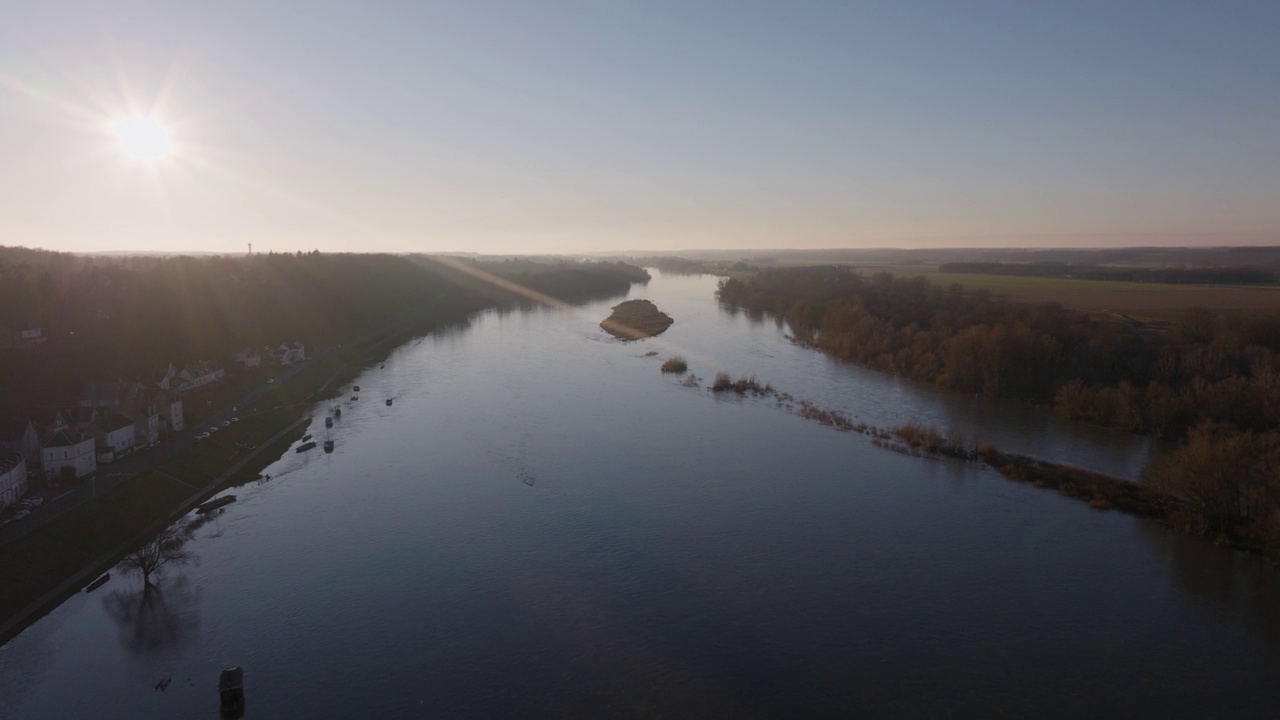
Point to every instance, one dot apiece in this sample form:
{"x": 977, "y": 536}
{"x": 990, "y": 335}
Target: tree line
{"x": 1219, "y": 275}
{"x": 1212, "y": 381}
{"x": 108, "y": 318}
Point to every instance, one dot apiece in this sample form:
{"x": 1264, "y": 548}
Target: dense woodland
{"x": 109, "y": 318}
{"x": 1214, "y": 380}
{"x": 1233, "y": 275}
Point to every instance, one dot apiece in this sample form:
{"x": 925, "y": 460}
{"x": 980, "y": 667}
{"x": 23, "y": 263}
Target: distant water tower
{"x": 250, "y": 248}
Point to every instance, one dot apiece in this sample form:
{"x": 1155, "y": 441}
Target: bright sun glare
{"x": 143, "y": 138}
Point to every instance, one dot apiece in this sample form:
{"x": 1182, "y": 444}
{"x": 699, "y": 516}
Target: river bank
{"x": 55, "y": 561}
{"x": 1099, "y": 490}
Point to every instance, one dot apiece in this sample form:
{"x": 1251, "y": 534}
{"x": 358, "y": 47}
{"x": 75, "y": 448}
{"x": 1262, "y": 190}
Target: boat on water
{"x": 388, "y": 401}
{"x": 306, "y": 437}
{"x": 355, "y": 397}
{"x": 231, "y": 692}
{"x": 337, "y": 412}
{"x": 306, "y": 446}
{"x": 98, "y": 583}
{"x": 328, "y": 422}
{"x": 355, "y": 388}
{"x": 215, "y": 503}
{"x": 328, "y": 446}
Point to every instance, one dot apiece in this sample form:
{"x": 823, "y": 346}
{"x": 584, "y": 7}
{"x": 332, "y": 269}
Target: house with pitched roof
{"x": 68, "y": 448}
{"x": 199, "y": 374}
{"x": 114, "y": 437}
{"x": 23, "y": 435}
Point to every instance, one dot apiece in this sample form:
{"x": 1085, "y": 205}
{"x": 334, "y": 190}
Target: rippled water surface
{"x": 544, "y": 525}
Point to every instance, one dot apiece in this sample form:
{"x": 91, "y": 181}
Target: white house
{"x": 156, "y": 408}
{"x": 68, "y": 449}
{"x": 114, "y": 436}
{"x": 289, "y": 354}
{"x": 247, "y": 357}
{"x": 33, "y": 337}
{"x": 145, "y": 417}
{"x": 165, "y": 381}
{"x": 13, "y": 477}
{"x": 199, "y": 375}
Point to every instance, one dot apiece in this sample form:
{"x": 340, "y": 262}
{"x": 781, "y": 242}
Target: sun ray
{"x": 88, "y": 118}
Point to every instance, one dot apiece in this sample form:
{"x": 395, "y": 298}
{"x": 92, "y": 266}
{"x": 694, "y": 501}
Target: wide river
{"x": 544, "y": 525}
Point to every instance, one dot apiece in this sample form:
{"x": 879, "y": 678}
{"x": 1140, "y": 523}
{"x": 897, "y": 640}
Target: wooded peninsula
{"x": 1212, "y": 381}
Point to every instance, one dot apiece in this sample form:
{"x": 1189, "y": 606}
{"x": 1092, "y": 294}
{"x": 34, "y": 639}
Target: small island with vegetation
{"x": 636, "y": 320}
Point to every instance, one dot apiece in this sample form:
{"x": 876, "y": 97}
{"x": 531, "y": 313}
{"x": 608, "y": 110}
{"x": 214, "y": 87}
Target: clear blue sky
{"x": 597, "y": 125}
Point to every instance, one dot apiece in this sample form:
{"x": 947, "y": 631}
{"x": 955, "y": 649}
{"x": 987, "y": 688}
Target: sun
{"x": 142, "y": 138}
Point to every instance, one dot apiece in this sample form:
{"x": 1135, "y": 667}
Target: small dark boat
{"x": 231, "y": 692}
{"x": 328, "y": 446}
{"x": 388, "y": 401}
{"x": 215, "y": 504}
{"x": 382, "y": 366}
{"x": 355, "y": 397}
{"x": 337, "y": 412}
{"x": 306, "y": 437}
{"x": 328, "y": 422}
{"x": 305, "y": 447}
{"x": 98, "y": 583}
{"x": 355, "y": 388}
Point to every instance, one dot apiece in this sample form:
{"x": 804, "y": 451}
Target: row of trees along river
{"x": 1213, "y": 381}
{"x": 108, "y": 318}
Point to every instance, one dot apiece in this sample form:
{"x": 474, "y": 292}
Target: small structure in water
{"x": 328, "y": 446}
{"x": 231, "y": 692}
{"x": 389, "y": 401}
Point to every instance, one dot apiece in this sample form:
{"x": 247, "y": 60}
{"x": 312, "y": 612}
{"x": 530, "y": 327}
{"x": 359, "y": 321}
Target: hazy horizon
{"x": 579, "y": 128}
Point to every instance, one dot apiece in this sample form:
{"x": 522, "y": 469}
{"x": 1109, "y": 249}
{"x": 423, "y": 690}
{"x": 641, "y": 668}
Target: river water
{"x": 542, "y": 524}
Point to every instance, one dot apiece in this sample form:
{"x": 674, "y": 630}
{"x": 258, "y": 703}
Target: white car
{"x": 235, "y": 419}
{"x": 226, "y": 423}
{"x": 213, "y": 429}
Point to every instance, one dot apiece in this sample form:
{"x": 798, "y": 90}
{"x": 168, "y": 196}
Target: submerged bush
{"x": 724, "y": 381}
{"x": 675, "y": 365}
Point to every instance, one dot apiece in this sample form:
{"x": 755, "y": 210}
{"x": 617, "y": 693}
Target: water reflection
{"x": 155, "y": 619}
{"x": 1232, "y": 584}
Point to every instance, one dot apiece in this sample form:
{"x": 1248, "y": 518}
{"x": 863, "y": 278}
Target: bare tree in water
{"x": 155, "y": 619}
{"x": 169, "y": 547}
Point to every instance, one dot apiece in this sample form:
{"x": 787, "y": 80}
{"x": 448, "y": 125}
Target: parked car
{"x": 213, "y": 429}
{"x": 226, "y": 423}
{"x": 31, "y": 502}
{"x": 235, "y": 419}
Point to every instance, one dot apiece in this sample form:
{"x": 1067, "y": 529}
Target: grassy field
{"x": 1147, "y": 300}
